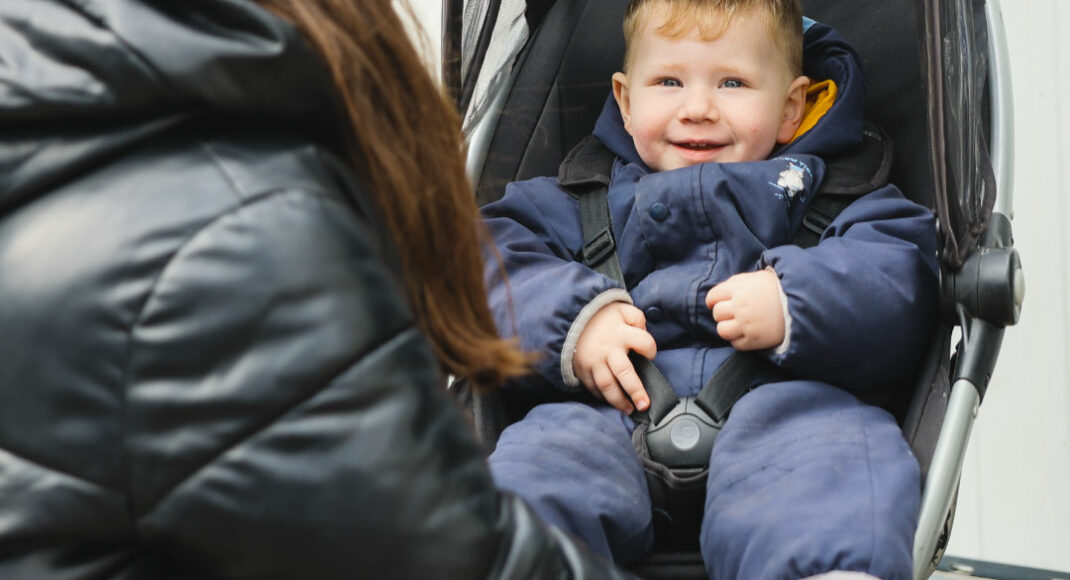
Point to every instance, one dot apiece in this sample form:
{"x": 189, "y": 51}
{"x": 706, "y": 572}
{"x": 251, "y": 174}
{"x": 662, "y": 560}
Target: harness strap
{"x": 662, "y": 396}
{"x": 586, "y": 173}
{"x": 848, "y": 175}
{"x": 732, "y": 380}
{"x": 599, "y": 247}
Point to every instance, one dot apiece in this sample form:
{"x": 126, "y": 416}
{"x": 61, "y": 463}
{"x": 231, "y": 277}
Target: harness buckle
{"x": 599, "y": 248}
{"x": 675, "y": 452}
{"x": 684, "y": 438}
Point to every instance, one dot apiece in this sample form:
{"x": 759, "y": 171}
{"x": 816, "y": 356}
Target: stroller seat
{"x": 547, "y": 97}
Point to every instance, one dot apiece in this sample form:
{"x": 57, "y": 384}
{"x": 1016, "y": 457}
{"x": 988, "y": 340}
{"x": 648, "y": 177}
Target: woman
{"x": 215, "y": 359}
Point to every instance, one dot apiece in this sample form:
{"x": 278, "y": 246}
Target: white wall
{"x": 1014, "y": 505}
{"x": 426, "y": 30}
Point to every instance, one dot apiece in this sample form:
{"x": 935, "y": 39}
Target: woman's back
{"x": 187, "y": 297}
{"x": 210, "y": 367}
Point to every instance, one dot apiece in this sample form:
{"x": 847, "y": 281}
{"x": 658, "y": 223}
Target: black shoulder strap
{"x": 848, "y": 176}
{"x": 585, "y": 174}
{"x": 737, "y": 375}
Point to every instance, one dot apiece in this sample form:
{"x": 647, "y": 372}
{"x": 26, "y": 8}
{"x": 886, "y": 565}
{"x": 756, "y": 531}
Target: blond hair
{"x": 712, "y": 17}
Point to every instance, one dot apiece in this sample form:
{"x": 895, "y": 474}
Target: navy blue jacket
{"x": 862, "y": 301}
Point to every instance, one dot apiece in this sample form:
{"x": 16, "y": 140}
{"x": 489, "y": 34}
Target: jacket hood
{"x": 826, "y": 55}
{"x": 80, "y": 79}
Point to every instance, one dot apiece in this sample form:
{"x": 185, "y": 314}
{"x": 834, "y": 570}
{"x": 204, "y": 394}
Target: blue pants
{"x": 804, "y": 479}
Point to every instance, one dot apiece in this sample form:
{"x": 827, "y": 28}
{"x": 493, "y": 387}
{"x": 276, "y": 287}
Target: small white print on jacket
{"x": 792, "y": 180}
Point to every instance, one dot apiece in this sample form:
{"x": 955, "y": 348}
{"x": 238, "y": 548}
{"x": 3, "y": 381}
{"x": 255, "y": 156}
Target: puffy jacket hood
{"x": 82, "y": 79}
{"x": 826, "y": 55}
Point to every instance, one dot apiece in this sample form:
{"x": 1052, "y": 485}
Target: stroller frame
{"x": 981, "y": 297}
{"x": 945, "y": 468}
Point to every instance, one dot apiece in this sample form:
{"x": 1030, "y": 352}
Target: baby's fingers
{"x": 723, "y": 310}
{"x": 609, "y": 389}
{"x": 722, "y": 291}
{"x": 642, "y": 342}
{"x": 632, "y": 316}
{"x": 730, "y": 330}
{"x": 628, "y": 379}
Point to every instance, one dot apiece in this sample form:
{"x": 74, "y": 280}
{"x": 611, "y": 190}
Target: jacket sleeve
{"x": 863, "y": 301}
{"x": 285, "y": 417}
{"x": 545, "y": 290}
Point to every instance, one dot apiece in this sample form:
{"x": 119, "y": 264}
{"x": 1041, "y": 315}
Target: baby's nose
{"x": 698, "y": 106}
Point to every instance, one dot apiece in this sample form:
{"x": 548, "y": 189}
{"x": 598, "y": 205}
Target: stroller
{"x": 530, "y": 79}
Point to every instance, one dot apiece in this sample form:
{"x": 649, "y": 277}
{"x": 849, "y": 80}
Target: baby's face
{"x": 688, "y": 100}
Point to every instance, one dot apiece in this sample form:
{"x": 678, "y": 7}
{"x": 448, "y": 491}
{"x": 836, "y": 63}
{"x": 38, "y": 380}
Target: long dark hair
{"x": 407, "y": 143}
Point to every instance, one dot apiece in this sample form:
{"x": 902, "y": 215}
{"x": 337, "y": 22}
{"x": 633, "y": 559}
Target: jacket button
{"x": 659, "y": 211}
{"x": 653, "y": 314}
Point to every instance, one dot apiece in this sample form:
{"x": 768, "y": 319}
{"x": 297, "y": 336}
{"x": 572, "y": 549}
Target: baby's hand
{"x": 601, "y": 359}
{"x": 747, "y": 310}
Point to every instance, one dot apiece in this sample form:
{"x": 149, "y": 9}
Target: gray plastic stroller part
{"x": 510, "y": 25}
{"x": 943, "y": 479}
{"x": 482, "y": 130}
{"x": 685, "y": 437}
{"x": 480, "y": 41}
{"x": 1001, "y": 138}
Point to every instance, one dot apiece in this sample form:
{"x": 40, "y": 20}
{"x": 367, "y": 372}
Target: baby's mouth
{"x": 698, "y": 145}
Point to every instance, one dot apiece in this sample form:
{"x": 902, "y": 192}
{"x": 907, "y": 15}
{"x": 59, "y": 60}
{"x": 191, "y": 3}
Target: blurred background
{"x": 1014, "y": 500}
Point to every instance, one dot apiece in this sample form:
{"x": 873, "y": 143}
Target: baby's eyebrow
{"x": 668, "y": 66}
{"x": 731, "y": 69}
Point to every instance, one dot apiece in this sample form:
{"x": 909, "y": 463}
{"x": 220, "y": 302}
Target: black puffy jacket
{"x": 207, "y": 365}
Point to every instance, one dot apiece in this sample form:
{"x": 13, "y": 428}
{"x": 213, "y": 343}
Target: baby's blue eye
{"x": 671, "y": 83}
{"x": 732, "y": 84}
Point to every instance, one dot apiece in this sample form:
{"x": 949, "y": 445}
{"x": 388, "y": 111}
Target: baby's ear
{"x": 620, "y": 93}
{"x": 794, "y": 109}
